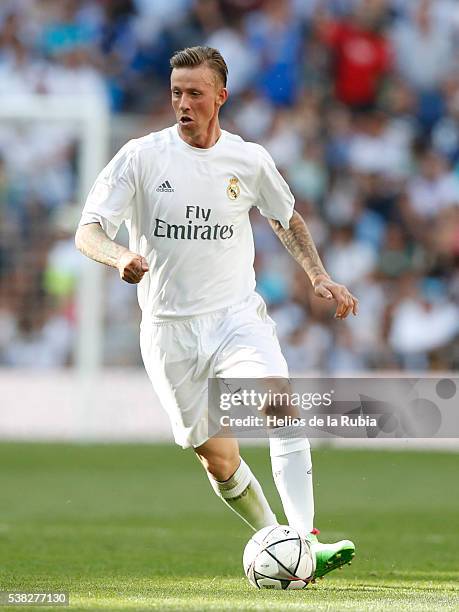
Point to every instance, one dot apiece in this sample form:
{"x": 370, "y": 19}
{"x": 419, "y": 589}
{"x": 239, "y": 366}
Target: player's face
{"x": 197, "y": 95}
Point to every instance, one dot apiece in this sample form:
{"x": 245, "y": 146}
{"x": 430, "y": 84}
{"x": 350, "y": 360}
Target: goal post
{"x": 91, "y": 116}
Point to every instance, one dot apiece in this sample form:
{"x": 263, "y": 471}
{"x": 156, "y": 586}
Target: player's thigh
{"x": 250, "y": 357}
{"x": 249, "y": 347}
{"x": 178, "y": 373}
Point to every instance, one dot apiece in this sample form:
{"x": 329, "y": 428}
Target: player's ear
{"x": 222, "y": 96}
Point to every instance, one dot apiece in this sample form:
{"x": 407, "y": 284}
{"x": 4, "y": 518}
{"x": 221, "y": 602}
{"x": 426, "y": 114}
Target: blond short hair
{"x": 199, "y": 56}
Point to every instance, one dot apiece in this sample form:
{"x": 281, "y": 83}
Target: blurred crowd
{"x": 356, "y": 100}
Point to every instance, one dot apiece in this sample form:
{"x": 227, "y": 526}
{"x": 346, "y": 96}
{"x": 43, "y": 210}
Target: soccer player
{"x": 185, "y": 194}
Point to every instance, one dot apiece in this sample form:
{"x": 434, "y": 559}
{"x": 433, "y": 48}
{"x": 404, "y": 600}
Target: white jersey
{"x": 187, "y": 212}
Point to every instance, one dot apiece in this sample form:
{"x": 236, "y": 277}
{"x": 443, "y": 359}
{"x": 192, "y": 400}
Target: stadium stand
{"x": 358, "y": 102}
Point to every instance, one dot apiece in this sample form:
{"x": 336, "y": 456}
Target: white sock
{"x": 243, "y": 494}
{"x": 292, "y": 470}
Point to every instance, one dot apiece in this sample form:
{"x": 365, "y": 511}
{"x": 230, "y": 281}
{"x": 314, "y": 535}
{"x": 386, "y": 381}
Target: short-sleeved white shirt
{"x": 187, "y": 212}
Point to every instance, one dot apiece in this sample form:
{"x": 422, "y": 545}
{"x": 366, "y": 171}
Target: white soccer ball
{"x": 277, "y": 557}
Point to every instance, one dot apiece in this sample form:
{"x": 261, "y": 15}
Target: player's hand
{"x": 132, "y": 267}
{"x": 325, "y": 288}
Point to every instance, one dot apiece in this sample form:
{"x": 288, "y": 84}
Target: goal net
{"x": 51, "y": 149}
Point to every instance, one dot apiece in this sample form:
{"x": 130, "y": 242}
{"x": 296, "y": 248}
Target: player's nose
{"x": 184, "y": 103}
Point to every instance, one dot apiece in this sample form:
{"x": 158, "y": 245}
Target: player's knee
{"x": 219, "y": 467}
{"x": 279, "y": 402}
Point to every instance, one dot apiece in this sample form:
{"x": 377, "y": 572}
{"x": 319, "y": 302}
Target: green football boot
{"x": 330, "y": 556}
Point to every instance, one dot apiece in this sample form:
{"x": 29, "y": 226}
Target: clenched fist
{"x": 132, "y": 267}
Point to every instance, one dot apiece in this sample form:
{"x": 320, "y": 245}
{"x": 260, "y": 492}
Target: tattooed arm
{"x": 93, "y": 242}
{"x": 299, "y": 243}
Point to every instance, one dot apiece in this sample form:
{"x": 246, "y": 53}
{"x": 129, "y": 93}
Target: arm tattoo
{"x": 299, "y": 243}
{"x": 93, "y": 242}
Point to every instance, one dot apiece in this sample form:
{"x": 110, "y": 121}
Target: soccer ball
{"x": 276, "y": 557}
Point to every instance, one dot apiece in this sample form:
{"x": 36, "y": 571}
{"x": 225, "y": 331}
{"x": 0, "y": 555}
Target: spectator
{"x": 424, "y": 55}
{"x": 424, "y": 52}
{"x": 65, "y": 30}
{"x": 434, "y": 188}
{"x": 445, "y": 134}
{"x": 347, "y": 260}
{"x": 276, "y": 37}
{"x": 242, "y": 64}
{"x": 360, "y": 53}
{"x": 253, "y": 116}
{"x": 421, "y": 324}
{"x": 376, "y": 148}
{"x": 307, "y": 176}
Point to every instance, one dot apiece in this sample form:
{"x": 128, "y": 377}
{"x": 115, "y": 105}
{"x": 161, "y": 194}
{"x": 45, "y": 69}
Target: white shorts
{"x": 182, "y": 354}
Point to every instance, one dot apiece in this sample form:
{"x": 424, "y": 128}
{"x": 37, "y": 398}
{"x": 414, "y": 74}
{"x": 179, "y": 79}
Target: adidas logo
{"x": 166, "y": 186}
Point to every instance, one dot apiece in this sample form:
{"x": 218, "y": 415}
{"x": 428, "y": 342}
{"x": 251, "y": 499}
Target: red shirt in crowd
{"x": 361, "y": 58}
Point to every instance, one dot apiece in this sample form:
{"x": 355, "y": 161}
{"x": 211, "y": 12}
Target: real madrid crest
{"x": 233, "y": 190}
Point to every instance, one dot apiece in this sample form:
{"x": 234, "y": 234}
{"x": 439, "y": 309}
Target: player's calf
{"x": 233, "y": 481}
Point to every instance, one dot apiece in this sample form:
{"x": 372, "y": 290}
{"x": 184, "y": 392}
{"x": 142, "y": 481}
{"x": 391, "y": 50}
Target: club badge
{"x": 233, "y": 190}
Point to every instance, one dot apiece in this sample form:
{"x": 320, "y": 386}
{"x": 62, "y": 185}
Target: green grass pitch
{"x": 136, "y": 527}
